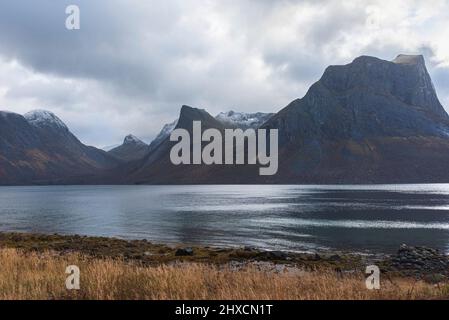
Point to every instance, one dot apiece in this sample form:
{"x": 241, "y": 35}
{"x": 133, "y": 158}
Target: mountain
{"x": 371, "y": 121}
{"x": 243, "y": 120}
{"x": 38, "y": 148}
{"x": 156, "y": 167}
{"x": 132, "y": 149}
{"x": 230, "y": 119}
{"x": 165, "y": 132}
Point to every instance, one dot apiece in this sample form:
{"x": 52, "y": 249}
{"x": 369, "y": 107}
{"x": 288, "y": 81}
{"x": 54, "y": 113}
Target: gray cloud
{"x": 134, "y": 63}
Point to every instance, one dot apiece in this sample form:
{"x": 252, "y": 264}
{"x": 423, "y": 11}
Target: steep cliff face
{"x": 367, "y": 98}
{"x": 39, "y": 148}
{"x": 371, "y": 121}
{"x": 368, "y": 121}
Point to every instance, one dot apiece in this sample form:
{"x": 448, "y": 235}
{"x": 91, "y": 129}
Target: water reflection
{"x": 364, "y": 218}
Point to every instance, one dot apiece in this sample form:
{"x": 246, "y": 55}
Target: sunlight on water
{"x": 376, "y": 218}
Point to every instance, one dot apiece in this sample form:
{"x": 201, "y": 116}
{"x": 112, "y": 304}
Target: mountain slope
{"x": 157, "y": 168}
{"x": 371, "y": 121}
{"x": 368, "y": 121}
{"x": 230, "y": 119}
{"x": 165, "y": 132}
{"x": 132, "y": 149}
{"x": 39, "y": 148}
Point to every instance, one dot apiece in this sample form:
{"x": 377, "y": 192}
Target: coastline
{"x": 418, "y": 262}
{"x": 148, "y": 253}
{"x": 137, "y": 269}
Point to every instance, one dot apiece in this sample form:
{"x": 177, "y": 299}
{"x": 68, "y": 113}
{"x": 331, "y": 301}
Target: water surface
{"x": 374, "y": 218}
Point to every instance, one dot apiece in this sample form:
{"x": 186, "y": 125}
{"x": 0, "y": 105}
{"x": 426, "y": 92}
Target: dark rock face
{"x": 132, "y": 149}
{"x": 365, "y": 122}
{"x": 39, "y": 149}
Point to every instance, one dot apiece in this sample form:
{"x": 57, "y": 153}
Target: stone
{"x": 184, "y": 252}
{"x": 276, "y": 255}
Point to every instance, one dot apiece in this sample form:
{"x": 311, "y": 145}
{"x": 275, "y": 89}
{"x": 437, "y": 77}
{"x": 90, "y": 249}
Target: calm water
{"x": 363, "y": 218}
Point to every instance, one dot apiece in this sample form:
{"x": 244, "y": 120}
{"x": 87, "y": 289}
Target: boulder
{"x": 184, "y": 252}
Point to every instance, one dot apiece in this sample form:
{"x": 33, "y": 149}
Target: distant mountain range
{"x": 371, "y": 121}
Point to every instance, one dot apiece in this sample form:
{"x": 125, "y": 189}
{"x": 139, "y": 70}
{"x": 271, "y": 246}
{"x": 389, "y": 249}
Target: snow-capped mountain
{"x": 230, "y": 119}
{"x": 44, "y": 118}
{"x": 131, "y": 139}
{"x": 165, "y": 132}
{"x": 243, "y": 120}
{"x": 128, "y": 139}
{"x": 39, "y": 148}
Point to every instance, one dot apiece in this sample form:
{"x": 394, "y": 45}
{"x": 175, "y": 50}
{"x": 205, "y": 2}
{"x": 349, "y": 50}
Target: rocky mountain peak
{"x": 405, "y": 79}
{"x": 131, "y": 139}
{"x": 189, "y": 114}
{"x": 45, "y": 119}
{"x": 163, "y": 134}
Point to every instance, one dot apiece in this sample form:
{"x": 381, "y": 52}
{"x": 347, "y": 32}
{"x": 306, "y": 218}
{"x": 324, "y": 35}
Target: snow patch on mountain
{"x": 165, "y": 133}
{"x": 231, "y": 119}
{"x": 168, "y": 128}
{"x": 44, "y": 118}
{"x": 243, "y": 120}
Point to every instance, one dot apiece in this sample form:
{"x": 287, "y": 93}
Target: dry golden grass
{"x": 42, "y": 276}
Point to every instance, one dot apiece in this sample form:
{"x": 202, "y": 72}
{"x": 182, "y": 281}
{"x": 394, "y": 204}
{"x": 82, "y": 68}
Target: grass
{"x": 41, "y": 275}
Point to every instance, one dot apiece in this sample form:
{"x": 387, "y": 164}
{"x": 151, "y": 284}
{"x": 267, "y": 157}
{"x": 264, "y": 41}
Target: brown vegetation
{"x": 33, "y": 275}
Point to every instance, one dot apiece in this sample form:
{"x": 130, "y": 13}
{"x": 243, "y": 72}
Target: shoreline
{"x": 152, "y": 253}
{"x": 114, "y": 269}
{"x": 418, "y": 262}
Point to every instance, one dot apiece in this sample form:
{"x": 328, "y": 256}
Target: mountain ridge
{"x": 40, "y": 149}
{"x": 131, "y": 149}
{"x": 369, "y": 121}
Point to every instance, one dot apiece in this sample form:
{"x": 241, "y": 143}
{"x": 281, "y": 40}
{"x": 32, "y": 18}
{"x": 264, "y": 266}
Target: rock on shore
{"x": 420, "y": 260}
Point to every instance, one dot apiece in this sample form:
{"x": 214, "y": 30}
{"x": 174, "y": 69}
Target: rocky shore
{"x": 431, "y": 264}
{"x": 420, "y": 262}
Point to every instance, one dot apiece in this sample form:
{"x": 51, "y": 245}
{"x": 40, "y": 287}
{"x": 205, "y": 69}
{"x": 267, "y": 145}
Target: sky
{"x": 133, "y": 64}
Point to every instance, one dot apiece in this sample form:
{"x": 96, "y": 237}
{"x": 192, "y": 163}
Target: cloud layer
{"x": 134, "y": 63}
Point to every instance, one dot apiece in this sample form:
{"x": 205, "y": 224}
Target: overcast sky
{"x": 134, "y": 63}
